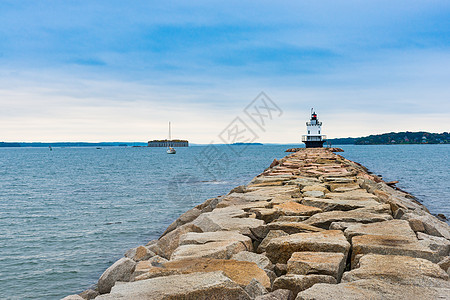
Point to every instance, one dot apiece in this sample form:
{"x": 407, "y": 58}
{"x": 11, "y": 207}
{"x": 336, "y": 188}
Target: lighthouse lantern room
{"x": 314, "y": 138}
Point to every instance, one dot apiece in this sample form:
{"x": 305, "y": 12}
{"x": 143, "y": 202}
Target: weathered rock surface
{"x": 280, "y": 294}
{"x": 168, "y": 243}
{"x": 315, "y": 187}
{"x": 260, "y": 260}
{"x": 89, "y": 294}
{"x": 292, "y": 208}
{"x": 439, "y": 245}
{"x": 390, "y": 245}
{"x": 255, "y": 289}
{"x": 280, "y": 269}
{"x": 338, "y": 204}
{"x": 399, "y": 270}
{"x": 121, "y": 270}
{"x": 216, "y": 249}
{"x": 241, "y": 272}
{"x": 343, "y": 187}
{"x": 314, "y": 194}
{"x": 359, "y": 194}
{"x": 298, "y": 283}
{"x": 391, "y": 227}
{"x": 371, "y": 289}
{"x": 293, "y": 227}
{"x": 193, "y": 238}
{"x": 430, "y": 224}
{"x": 148, "y": 265}
{"x": 324, "y": 219}
{"x": 271, "y": 235}
{"x": 227, "y": 219}
{"x": 339, "y": 179}
{"x": 321, "y": 263}
{"x": 445, "y": 264}
{"x": 139, "y": 253}
{"x": 341, "y": 225}
{"x": 73, "y": 297}
{"x": 279, "y": 250}
{"x": 213, "y": 285}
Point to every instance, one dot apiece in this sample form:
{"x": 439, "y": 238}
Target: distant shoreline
{"x": 396, "y": 138}
{"x": 139, "y": 144}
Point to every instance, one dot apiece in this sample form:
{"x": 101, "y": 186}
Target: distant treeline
{"x": 71, "y": 144}
{"x": 407, "y": 137}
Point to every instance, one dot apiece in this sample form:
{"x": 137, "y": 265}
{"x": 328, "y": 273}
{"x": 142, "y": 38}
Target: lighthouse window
{"x": 319, "y": 131}
{"x": 308, "y": 132}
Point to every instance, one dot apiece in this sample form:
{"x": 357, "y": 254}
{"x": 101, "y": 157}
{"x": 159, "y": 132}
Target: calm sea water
{"x": 68, "y": 214}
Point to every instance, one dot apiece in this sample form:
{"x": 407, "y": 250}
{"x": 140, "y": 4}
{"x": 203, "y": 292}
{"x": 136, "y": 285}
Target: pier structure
{"x": 313, "y": 225}
{"x": 314, "y": 138}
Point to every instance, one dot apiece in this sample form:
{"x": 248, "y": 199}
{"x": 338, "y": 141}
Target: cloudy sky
{"x": 120, "y": 70}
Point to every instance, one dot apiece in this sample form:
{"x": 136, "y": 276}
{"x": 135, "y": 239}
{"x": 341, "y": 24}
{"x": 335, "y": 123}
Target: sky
{"x": 111, "y": 70}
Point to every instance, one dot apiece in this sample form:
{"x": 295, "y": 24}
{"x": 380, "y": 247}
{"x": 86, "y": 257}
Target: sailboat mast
{"x": 170, "y": 137}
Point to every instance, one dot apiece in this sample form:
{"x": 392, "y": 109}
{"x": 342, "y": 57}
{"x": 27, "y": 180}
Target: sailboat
{"x": 170, "y": 150}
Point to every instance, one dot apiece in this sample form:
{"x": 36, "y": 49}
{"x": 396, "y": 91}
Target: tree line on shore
{"x": 407, "y": 137}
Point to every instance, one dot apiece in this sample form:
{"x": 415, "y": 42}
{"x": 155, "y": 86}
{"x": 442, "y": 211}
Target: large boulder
{"x": 147, "y": 265}
{"x": 194, "y": 238}
{"x": 293, "y": 208}
{"x": 280, "y": 294}
{"x": 341, "y": 225}
{"x": 338, "y": 204}
{"x": 202, "y": 286}
{"x": 271, "y": 235}
{"x": 293, "y": 227}
{"x": 342, "y": 180}
{"x": 390, "y": 245}
{"x": 399, "y": 270}
{"x": 265, "y": 214}
{"x": 121, "y": 270}
{"x": 241, "y": 272}
{"x": 139, "y": 253}
{"x": 259, "y": 259}
{"x": 279, "y": 250}
{"x": 298, "y": 283}
{"x": 219, "y": 244}
{"x": 322, "y": 263}
{"x": 342, "y": 187}
{"x": 359, "y": 194}
{"x": 371, "y": 289}
{"x": 314, "y": 194}
{"x": 169, "y": 242}
{"x": 430, "y": 224}
{"x": 227, "y": 219}
{"x": 241, "y": 199}
{"x": 360, "y": 215}
{"x": 391, "y": 227}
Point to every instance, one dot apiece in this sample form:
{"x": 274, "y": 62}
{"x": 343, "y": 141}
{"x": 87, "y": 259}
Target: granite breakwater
{"x": 314, "y": 225}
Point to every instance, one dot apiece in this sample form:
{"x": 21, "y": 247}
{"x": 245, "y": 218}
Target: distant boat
{"x": 170, "y": 150}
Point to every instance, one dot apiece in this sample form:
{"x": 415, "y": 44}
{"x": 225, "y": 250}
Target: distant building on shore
{"x": 168, "y": 143}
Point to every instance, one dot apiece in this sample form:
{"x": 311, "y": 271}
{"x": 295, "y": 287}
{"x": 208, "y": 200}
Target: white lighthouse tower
{"x": 314, "y": 138}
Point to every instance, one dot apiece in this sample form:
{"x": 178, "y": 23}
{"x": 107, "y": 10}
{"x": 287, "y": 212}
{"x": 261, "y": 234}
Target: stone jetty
{"x": 314, "y": 225}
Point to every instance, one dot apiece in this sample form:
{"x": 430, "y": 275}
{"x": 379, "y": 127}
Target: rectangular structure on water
{"x": 168, "y": 143}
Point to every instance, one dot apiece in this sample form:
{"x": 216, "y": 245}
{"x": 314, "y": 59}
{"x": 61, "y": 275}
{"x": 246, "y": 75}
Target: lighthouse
{"x": 314, "y": 138}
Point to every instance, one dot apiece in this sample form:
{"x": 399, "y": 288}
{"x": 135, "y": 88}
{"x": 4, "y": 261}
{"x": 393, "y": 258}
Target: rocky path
{"x": 312, "y": 226}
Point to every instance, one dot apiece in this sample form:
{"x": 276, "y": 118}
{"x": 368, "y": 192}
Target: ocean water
{"x": 68, "y": 214}
{"x": 422, "y": 170}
